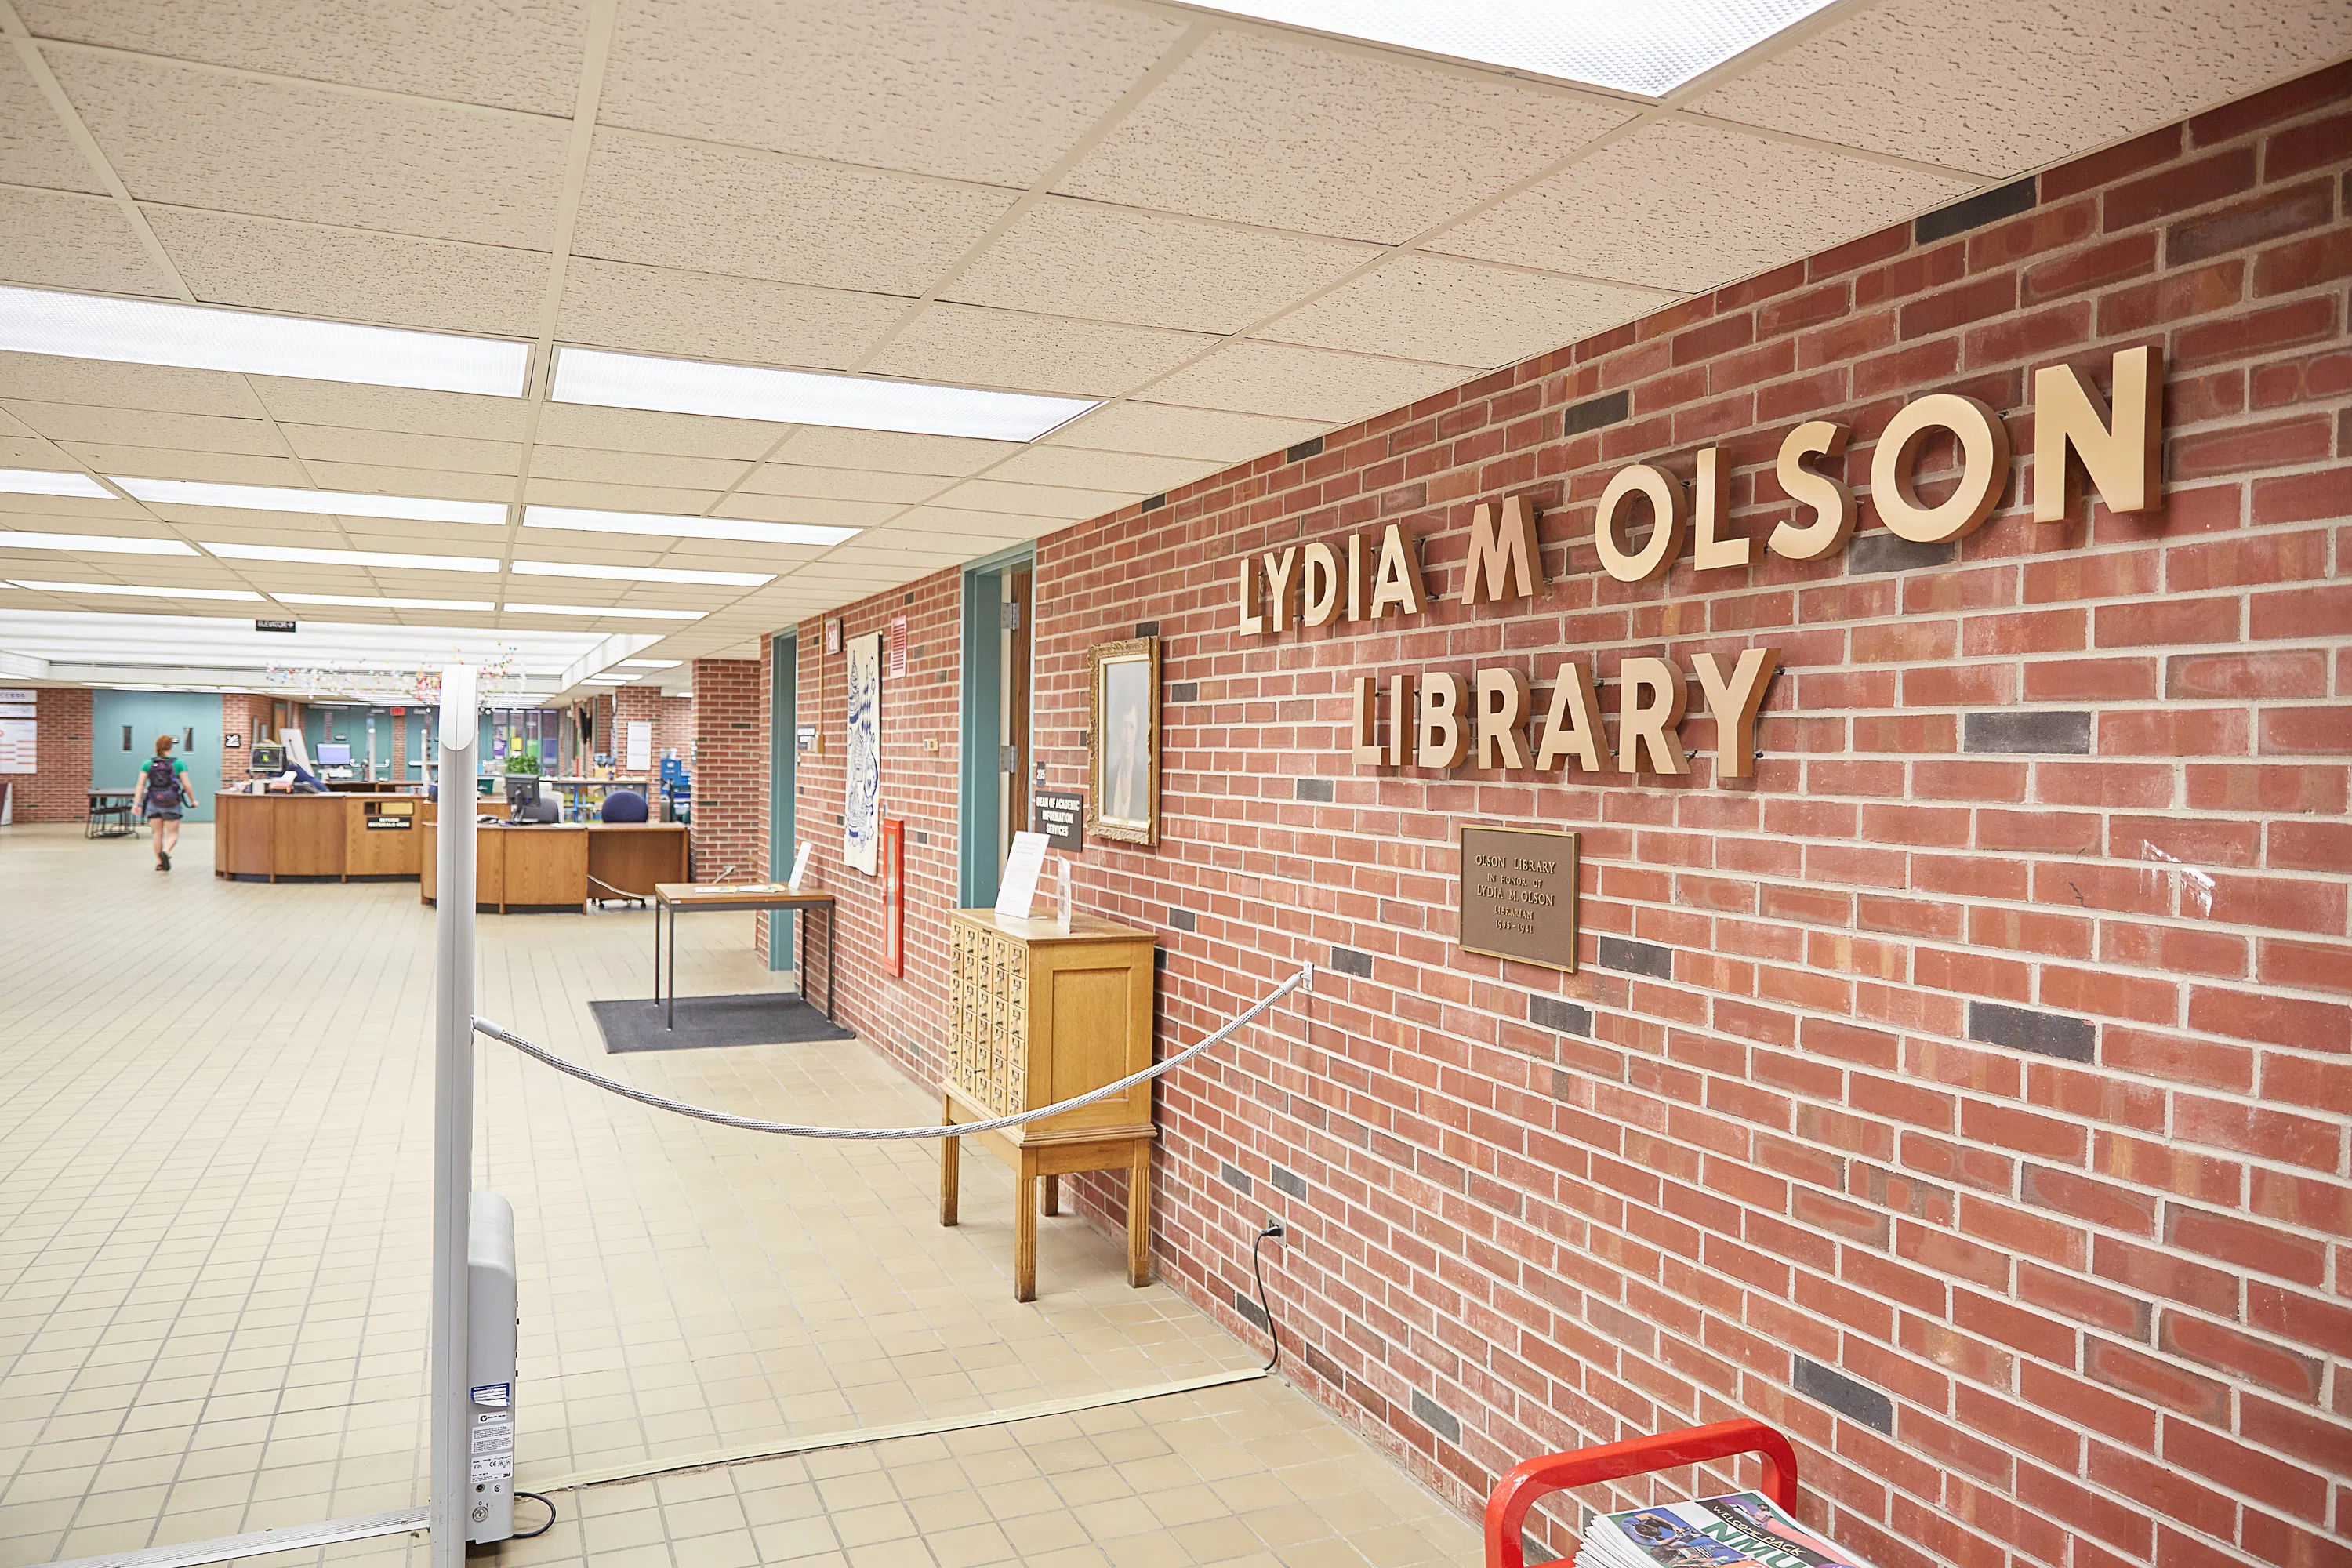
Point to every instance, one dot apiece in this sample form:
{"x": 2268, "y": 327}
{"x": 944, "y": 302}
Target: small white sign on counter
{"x": 1017, "y": 893}
{"x": 800, "y": 865}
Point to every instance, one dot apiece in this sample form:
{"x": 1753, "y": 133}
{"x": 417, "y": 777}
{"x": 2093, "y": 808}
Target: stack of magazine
{"x": 1742, "y": 1529}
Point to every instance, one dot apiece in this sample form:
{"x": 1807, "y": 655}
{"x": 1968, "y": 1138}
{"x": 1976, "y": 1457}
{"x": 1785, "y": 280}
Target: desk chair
{"x": 621, "y": 805}
{"x": 110, "y": 816}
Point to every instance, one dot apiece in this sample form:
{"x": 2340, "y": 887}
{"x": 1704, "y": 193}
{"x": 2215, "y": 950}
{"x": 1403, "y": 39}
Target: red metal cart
{"x": 1507, "y": 1510}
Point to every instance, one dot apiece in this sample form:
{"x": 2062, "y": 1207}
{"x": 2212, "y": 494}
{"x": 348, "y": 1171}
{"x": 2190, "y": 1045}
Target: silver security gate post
{"x": 453, "y": 1115}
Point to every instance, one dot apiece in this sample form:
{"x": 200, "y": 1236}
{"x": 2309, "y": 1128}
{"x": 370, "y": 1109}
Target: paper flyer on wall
{"x": 1742, "y": 1530}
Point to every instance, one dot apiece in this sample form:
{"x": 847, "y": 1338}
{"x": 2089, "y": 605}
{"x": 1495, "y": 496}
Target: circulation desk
{"x": 542, "y": 866}
{"x": 346, "y": 835}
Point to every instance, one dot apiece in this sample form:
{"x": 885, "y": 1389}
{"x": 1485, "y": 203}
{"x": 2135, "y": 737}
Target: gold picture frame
{"x": 1123, "y": 740}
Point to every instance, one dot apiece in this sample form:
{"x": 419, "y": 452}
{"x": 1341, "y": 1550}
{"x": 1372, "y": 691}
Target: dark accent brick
{"x": 1248, "y": 1308}
{"x": 1637, "y": 957}
{"x": 1237, "y": 1180}
{"x": 1436, "y": 1417}
{"x": 1182, "y": 920}
{"x": 1595, "y": 411}
{"x": 2028, "y": 729}
{"x": 1348, "y": 961}
{"x": 1153, "y": 503}
{"x": 2027, "y": 1029}
{"x": 922, "y": 839}
{"x": 1881, "y": 552}
{"x": 1291, "y": 1182}
{"x": 1147, "y": 628}
{"x": 1984, "y": 207}
{"x": 1184, "y": 692}
{"x": 1848, "y": 1396}
{"x": 1310, "y": 447}
{"x": 1561, "y": 1017}
{"x": 1312, "y": 789}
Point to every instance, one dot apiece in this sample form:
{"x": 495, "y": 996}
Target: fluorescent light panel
{"x": 641, "y": 573}
{"x": 149, "y": 331}
{"x": 1650, "y": 49}
{"x": 51, "y": 482}
{"x": 325, "y": 503}
{"x": 650, "y": 663}
{"x": 371, "y": 602}
{"x": 321, "y": 557}
{"x": 138, "y": 593}
{"x": 93, "y": 544}
{"x": 807, "y": 397}
{"x": 666, "y": 527}
{"x": 603, "y": 610}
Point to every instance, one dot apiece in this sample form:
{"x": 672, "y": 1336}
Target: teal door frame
{"x": 783, "y": 780}
{"x": 978, "y": 789}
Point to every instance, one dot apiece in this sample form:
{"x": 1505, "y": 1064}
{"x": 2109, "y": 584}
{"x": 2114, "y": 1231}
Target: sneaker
{"x": 166, "y": 859}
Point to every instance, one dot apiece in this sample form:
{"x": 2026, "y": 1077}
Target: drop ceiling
{"x": 1234, "y": 235}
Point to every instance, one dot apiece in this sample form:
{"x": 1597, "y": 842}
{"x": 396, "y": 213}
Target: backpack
{"x": 162, "y": 783}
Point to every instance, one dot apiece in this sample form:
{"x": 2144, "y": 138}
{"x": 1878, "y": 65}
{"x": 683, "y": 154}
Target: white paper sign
{"x": 19, "y": 745}
{"x": 20, "y": 694}
{"x": 1018, "y": 892}
{"x": 641, "y": 745}
{"x": 800, "y": 865}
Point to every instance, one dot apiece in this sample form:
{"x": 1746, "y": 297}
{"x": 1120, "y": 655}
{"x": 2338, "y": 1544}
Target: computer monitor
{"x": 268, "y": 757}
{"x": 522, "y": 790}
{"x": 334, "y": 754}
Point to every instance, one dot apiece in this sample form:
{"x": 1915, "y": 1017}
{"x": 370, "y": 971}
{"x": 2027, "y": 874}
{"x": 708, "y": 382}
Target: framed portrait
{"x": 1123, "y": 740}
{"x": 861, "y": 816}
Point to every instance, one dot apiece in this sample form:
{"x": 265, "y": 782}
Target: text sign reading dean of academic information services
{"x": 1519, "y": 895}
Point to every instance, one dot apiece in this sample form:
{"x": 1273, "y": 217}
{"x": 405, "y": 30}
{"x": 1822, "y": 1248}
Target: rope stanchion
{"x": 1302, "y": 981}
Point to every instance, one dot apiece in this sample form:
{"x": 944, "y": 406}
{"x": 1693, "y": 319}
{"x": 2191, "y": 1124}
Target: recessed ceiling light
{"x": 149, "y": 331}
{"x": 1650, "y": 49}
{"x": 666, "y": 527}
{"x": 371, "y": 602}
{"x": 607, "y": 679}
{"x": 807, "y": 397}
{"x": 326, "y": 503}
{"x": 604, "y": 610}
{"x": 641, "y": 573}
{"x": 138, "y": 593}
{"x": 51, "y": 482}
{"x": 94, "y": 544}
{"x": 323, "y": 557}
{"x": 651, "y": 663}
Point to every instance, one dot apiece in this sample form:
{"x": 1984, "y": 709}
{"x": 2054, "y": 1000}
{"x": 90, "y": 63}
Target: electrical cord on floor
{"x": 542, "y": 1529}
{"x": 1274, "y": 1232}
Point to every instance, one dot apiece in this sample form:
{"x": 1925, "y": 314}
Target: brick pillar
{"x": 730, "y": 772}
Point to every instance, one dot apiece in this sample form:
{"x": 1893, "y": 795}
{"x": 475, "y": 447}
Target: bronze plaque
{"x": 1519, "y": 895}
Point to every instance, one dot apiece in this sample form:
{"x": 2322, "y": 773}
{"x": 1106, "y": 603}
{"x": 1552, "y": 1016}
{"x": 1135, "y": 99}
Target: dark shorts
{"x": 163, "y": 813}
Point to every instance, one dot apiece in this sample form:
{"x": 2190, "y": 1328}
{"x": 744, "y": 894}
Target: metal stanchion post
{"x": 453, "y": 1116}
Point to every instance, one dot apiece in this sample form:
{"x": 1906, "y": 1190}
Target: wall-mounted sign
{"x": 1440, "y": 720}
{"x": 808, "y": 739}
{"x": 1061, "y": 815}
{"x": 273, "y": 625}
{"x": 231, "y": 741}
{"x": 1517, "y": 895}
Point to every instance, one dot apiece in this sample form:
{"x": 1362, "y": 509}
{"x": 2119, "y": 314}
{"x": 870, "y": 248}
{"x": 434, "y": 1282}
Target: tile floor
{"x": 215, "y": 1143}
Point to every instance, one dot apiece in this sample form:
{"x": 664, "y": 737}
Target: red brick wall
{"x": 731, "y": 795}
{"x": 1805, "y": 1136}
{"x": 671, "y": 717}
{"x": 55, "y": 791}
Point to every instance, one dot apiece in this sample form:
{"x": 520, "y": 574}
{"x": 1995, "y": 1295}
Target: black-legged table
{"x": 757, "y": 897}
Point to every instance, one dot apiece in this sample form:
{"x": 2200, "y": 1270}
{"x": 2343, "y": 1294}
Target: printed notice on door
{"x": 1519, "y": 895}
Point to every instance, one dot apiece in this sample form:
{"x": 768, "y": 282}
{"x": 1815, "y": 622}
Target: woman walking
{"x": 163, "y": 794}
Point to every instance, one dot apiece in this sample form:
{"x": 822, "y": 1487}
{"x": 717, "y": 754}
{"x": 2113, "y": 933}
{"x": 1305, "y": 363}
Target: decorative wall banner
{"x": 1517, "y": 895}
{"x": 861, "y": 814}
{"x": 1061, "y": 815}
{"x": 1123, "y": 740}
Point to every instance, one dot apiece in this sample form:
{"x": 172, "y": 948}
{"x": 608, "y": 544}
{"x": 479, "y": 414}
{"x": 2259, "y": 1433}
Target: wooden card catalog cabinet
{"x": 1036, "y": 1015}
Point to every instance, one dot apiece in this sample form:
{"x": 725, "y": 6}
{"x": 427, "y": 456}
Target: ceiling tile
{"x": 641, "y": 430}
{"x": 807, "y": 509}
{"x": 1123, "y": 472}
{"x": 828, "y": 446}
{"x": 1462, "y": 312}
{"x": 755, "y": 215}
{"x": 187, "y": 432}
{"x": 2000, "y": 86}
{"x": 992, "y": 91}
{"x": 518, "y": 54}
{"x": 444, "y": 484}
{"x": 163, "y": 463}
{"x": 1687, "y": 206}
{"x": 194, "y": 138}
{"x": 62, "y": 241}
{"x": 1072, "y": 258}
{"x": 402, "y": 408}
{"x": 1299, "y": 135}
{"x": 600, "y": 497}
{"x": 337, "y": 444}
{"x": 703, "y": 315}
{"x": 841, "y": 484}
{"x": 51, "y": 378}
{"x": 71, "y": 511}
{"x": 34, "y": 147}
{"x": 26, "y": 451}
{"x": 354, "y": 274}
{"x": 1003, "y": 527}
{"x": 632, "y": 467}
{"x": 974, "y": 347}
{"x": 1277, "y": 378}
{"x": 1034, "y": 500}
{"x": 1159, "y": 430}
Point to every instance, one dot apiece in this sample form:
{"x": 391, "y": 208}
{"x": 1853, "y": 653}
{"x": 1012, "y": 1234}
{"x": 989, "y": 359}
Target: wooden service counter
{"x": 345, "y": 835}
{"x": 550, "y": 864}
